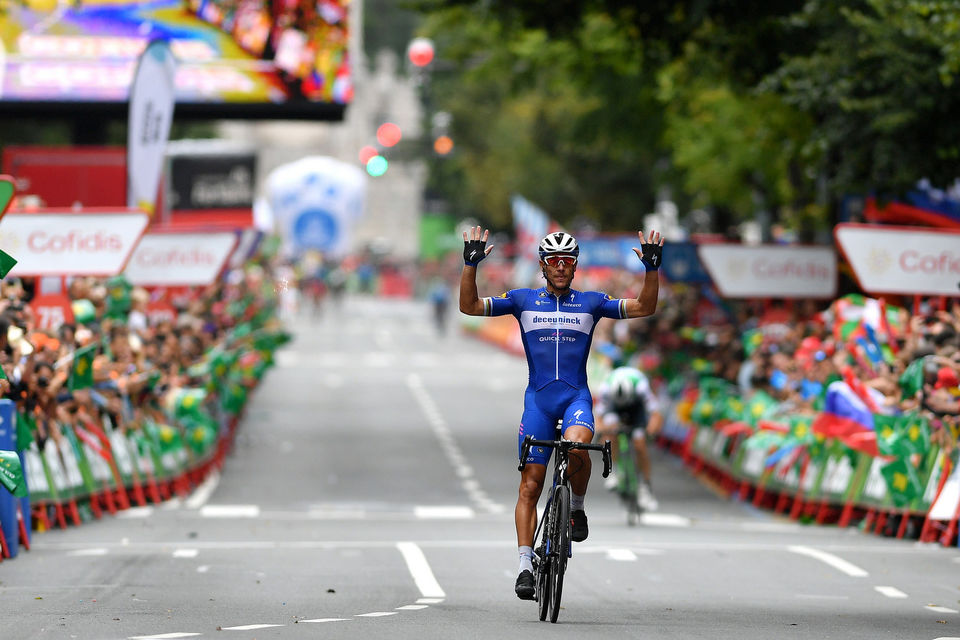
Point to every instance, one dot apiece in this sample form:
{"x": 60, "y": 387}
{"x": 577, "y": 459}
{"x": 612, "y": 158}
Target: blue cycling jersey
{"x": 556, "y": 331}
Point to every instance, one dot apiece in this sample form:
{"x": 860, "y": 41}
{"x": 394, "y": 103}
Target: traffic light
{"x": 442, "y": 145}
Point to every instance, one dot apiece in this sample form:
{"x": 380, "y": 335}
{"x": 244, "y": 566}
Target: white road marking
{"x": 443, "y": 513}
{"x": 430, "y": 600}
{"x": 664, "y": 520}
{"x": 203, "y": 492}
{"x": 376, "y": 614}
{"x": 186, "y": 553}
{"x": 421, "y": 572}
{"x": 164, "y": 636}
{"x": 891, "y": 592}
{"x": 134, "y": 513}
{"x": 624, "y": 555}
{"x": 172, "y": 504}
{"x": 454, "y": 455}
{"x": 251, "y": 627}
{"x": 326, "y": 620}
{"x": 836, "y": 562}
{"x": 939, "y": 609}
{"x": 95, "y": 551}
{"x": 230, "y": 511}
{"x": 412, "y": 607}
{"x": 203, "y": 568}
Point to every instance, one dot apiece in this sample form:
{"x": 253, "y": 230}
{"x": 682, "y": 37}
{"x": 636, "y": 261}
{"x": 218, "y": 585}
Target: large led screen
{"x": 236, "y": 58}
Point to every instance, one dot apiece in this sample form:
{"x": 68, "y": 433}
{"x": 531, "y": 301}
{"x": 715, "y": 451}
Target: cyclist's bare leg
{"x": 531, "y": 485}
{"x": 579, "y": 460}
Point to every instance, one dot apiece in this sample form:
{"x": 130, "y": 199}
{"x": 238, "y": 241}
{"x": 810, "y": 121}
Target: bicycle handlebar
{"x": 567, "y": 445}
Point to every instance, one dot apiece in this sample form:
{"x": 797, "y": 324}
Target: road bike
{"x": 550, "y": 557}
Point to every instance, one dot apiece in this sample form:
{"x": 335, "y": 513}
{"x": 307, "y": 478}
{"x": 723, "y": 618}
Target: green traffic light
{"x": 377, "y": 166}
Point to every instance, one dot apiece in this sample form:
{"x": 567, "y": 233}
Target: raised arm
{"x": 651, "y": 254}
{"x": 475, "y": 249}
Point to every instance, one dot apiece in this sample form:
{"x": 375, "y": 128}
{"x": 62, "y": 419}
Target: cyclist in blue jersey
{"x": 556, "y": 325}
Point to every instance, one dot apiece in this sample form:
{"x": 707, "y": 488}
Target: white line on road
{"x": 186, "y": 553}
{"x": 96, "y": 551}
{"x": 623, "y": 555}
{"x": 164, "y": 636}
{"x": 420, "y": 570}
{"x": 443, "y": 513}
{"x": 891, "y": 592}
{"x": 429, "y": 600}
{"x": 134, "y": 513}
{"x": 454, "y": 455}
{"x": 376, "y": 614}
{"x": 326, "y": 620}
{"x": 939, "y": 609}
{"x": 172, "y": 504}
{"x": 412, "y": 607}
{"x": 203, "y": 568}
{"x": 836, "y": 562}
{"x": 203, "y": 492}
{"x": 251, "y": 627}
{"x": 230, "y": 511}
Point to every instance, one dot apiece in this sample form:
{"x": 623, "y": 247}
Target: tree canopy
{"x": 593, "y": 109}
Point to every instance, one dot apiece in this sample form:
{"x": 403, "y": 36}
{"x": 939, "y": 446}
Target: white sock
{"x": 576, "y": 502}
{"x": 526, "y": 559}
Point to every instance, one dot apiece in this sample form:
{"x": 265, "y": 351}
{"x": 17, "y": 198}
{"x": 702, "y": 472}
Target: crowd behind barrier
{"x": 124, "y": 406}
{"x": 842, "y": 411}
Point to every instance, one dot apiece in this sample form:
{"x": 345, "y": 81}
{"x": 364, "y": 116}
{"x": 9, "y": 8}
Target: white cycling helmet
{"x": 559, "y": 242}
{"x": 623, "y": 388}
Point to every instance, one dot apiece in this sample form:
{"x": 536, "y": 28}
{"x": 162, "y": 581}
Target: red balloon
{"x": 420, "y": 52}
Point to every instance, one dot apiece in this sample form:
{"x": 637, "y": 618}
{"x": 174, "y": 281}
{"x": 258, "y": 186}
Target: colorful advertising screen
{"x": 235, "y": 58}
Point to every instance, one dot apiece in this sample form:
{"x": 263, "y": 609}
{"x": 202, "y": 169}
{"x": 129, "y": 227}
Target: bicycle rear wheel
{"x": 561, "y": 547}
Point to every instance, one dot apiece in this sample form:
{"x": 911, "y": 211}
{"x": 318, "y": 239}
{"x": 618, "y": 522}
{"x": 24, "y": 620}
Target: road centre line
{"x": 836, "y": 562}
{"x": 890, "y": 592}
{"x": 376, "y": 614}
{"x": 454, "y": 455}
{"x": 251, "y": 627}
{"x": 420, "y": 570}
{"x": 325, "y": 620}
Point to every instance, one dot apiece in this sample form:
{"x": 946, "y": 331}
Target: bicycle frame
{"x": 551, "y": 566}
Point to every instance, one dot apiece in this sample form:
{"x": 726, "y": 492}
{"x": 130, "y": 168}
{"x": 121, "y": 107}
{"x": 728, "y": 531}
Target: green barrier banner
{"x": 11, "y": 473}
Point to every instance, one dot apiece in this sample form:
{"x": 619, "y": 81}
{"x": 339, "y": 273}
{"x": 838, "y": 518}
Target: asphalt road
{"x": 370, "y": 495}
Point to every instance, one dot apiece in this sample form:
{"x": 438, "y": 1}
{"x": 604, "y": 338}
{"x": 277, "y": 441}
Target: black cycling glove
{"x": 474, "y": 251}
{"x": 652, "y": 255}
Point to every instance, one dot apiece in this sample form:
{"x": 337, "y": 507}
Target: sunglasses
{"x": 555, "y": 261}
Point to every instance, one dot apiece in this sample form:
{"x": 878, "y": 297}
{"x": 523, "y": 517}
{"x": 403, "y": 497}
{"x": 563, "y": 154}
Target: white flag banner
{"x": 180, "y": 259}
{"x": 903, "y": 260}
{"x": 150, "y": 117}
{"x": 771, "y": 271}
{"x": 55, "y": 244}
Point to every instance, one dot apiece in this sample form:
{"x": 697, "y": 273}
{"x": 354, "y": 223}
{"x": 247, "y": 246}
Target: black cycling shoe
{"x": 580, "y": 529}
{"x": 525, "y": 589}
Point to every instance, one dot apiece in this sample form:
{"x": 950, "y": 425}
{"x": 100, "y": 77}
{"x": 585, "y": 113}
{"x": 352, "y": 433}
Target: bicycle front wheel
{"x": 560, "y": 541}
